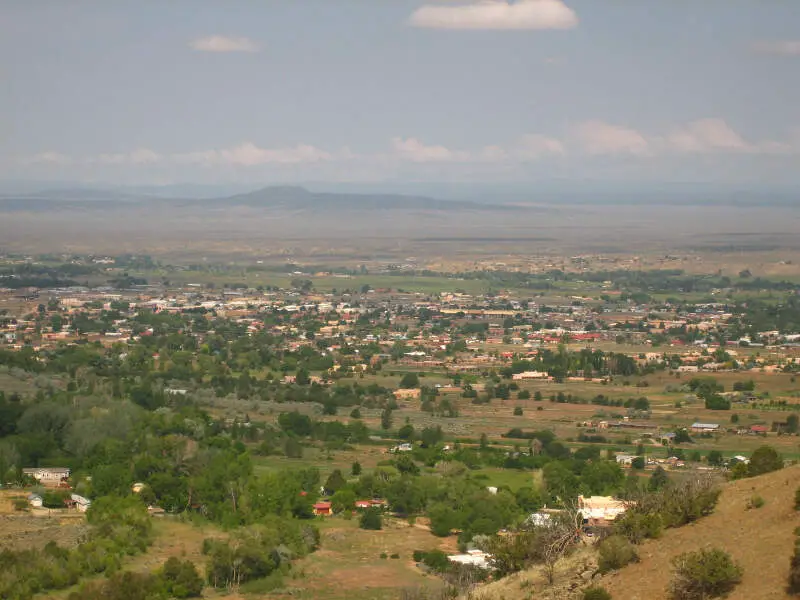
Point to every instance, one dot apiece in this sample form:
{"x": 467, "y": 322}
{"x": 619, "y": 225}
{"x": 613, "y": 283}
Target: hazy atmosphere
{"x": 399, "y": 299}
{"x": 351, "y": 91}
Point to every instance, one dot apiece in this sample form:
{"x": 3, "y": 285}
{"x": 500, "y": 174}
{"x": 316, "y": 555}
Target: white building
{"x": 47, "y": 475}
{"x": 475, "y": 558}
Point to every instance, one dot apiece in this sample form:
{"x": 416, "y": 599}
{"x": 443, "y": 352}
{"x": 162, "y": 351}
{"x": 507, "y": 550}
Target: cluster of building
{"x": 493, "y": 330}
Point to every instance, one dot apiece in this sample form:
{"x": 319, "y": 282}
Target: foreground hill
{"x": 761, "y": 540}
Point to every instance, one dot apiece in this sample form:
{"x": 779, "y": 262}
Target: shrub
{"x": 596, "y": 593}
{"x": 616, "y": 552}
{"x": 384, "y": 555}
{"x": 794, "y": 571}
{"x": 436, "y": 560}
{"x": 181, "y": 578}
{"x": 707, "y": 573}
{"x": 637, "y": 526}
{"x": 371, "y": 519}
{"x": 764, "y": 460}
{"x": 419, "y": 555}
{"x": 755, "y": 502}
{"x": 518, "y": 411}
{"x": 395, "y": 555}
{"x": 797, "y": 499}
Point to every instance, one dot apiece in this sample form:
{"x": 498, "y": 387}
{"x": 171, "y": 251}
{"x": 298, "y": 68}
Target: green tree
{"x": 371, "y": 519}
{"x": 764, "y": 460}
{"x": 715, "y": 458}
{"x": 406, "y": 432}
{"x": 335, "y": 482}
{"x": 355, "y": 469}
{"x": 343, "y": 500}
{"x": 658, "y": 480}
{"x": 792, "y": 423}
{"x": 409, "y": 380}
{"x": 443, "y": 519}
{"x": 181, "y": 578}
{"x": 386, "y": 419}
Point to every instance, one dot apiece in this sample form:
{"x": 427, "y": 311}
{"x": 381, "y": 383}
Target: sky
{"x": 291, "y": 91}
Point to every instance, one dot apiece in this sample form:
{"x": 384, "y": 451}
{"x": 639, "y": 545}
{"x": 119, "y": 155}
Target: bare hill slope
{"x": 761, "y": 540}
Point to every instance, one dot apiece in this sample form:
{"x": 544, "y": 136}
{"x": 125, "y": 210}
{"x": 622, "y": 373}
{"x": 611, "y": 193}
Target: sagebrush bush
{"x": 596, "y": 593}
{"x": 616, "y": 552}
{"x": 707, "y": 573}
{"x": 794, "y": 570}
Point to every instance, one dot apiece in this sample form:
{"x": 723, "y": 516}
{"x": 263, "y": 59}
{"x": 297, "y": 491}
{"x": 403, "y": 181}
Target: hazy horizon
{"x": 424, "y": 91}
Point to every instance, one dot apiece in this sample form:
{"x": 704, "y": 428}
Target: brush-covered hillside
{"x": 761, "y": 540}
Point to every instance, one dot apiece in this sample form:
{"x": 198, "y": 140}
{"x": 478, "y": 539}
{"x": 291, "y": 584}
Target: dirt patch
{"x": 23, "y": 531}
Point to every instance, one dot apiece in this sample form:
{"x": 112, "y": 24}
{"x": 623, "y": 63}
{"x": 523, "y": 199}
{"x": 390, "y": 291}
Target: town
{"x": 551, "y": 409}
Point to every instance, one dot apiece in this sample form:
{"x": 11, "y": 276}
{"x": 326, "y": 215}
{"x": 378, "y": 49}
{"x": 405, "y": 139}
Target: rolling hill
{"x": 760, "y": 540}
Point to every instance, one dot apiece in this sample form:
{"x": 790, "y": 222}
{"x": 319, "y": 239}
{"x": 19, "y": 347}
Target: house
{"x": 625, "y": 460}
{"x": 540, "y": 519}
{"x": 322, "y": 509}
{"x": 759, "y": 429}
{"x": 363, "y": 504}
{"x": 137, "y": 488}
{"x": 48, "y": 476}
{"x": 600, "y": 510}
{"x": 35, "y": 500}
{"x": 705, "y": 427}
{"x": 475, "y": 558}
{"x": 407, "y": 394}
{"x": 529, "y": 375}
{"x": 404, "y": 447}
{"x": 80, "y": 503}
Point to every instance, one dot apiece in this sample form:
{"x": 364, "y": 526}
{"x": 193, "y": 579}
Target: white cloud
{"x": 222, "y": 43}
{"x": 140, "y": 156}
{"x": 248, "y": 155}
{"x": 714, "y": 135}
{"x": 414, "y": 150}
{"x": 497, "y": 14}
{"x": 780, "y": 47}
{"x": 598, "y": 138}
{"x": 49, "y": 157}
{"x": 706, "y": 135}
{"x": 533, "y": 146}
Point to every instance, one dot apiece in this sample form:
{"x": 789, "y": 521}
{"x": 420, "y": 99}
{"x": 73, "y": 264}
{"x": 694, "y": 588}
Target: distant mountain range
{"x": 275, "y": 197}
{"x": 297, "y": 198}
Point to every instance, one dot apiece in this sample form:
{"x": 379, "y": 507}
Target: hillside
{"x": 761, "y": 540}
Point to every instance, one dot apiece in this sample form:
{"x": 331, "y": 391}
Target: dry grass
{"x": 24, "y": 530}
{"x": 349, "y": 563}
{"x": 761, "y": 540}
